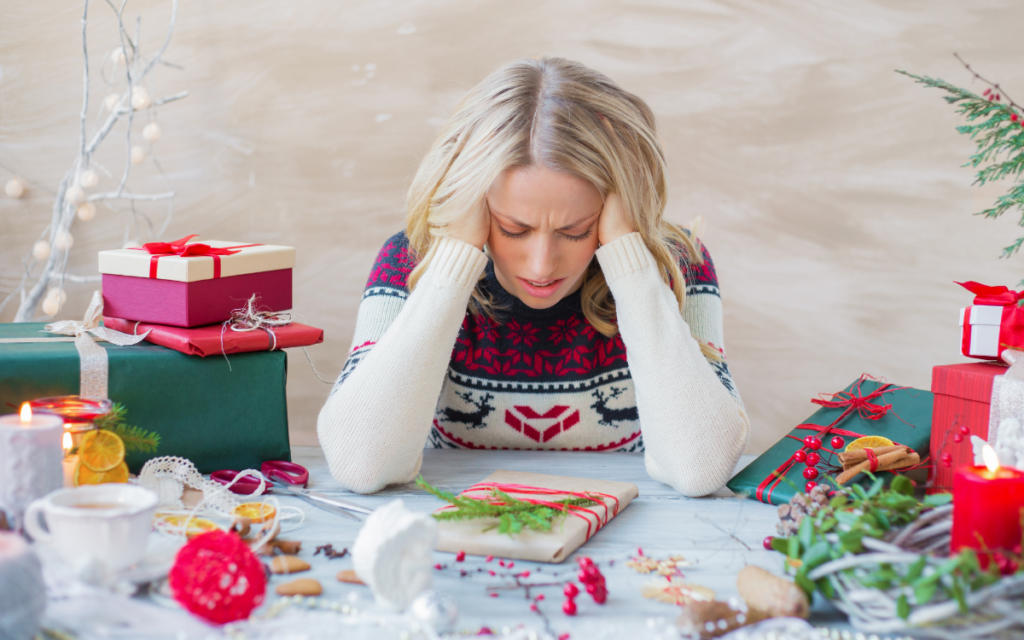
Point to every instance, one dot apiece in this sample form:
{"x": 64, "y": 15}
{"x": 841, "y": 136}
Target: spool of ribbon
{"x": 183, "y": 249}
{"x": 93, "y": 358}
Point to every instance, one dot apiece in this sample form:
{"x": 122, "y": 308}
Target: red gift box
{"x": 206, "y": 341}
{"x": 962, "y": 395}
{"x": 185, "y": 284}
{"x": 993, "y": 323}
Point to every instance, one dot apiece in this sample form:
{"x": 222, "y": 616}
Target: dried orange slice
{"x": 196, "y": 526}
{"x": 85, "y": 475}
{"x": 257, "y": 512}
{"x": 868, "y": 442}
{"x": 101, "y": 450}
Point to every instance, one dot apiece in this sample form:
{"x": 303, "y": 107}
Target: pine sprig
{"x": 135, "y": 439}
{"x": 997, "y": 131}
{"x": 513, "y": 515}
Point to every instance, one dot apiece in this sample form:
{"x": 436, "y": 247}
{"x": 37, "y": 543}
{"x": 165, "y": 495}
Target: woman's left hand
{"x": 613, "y": 223}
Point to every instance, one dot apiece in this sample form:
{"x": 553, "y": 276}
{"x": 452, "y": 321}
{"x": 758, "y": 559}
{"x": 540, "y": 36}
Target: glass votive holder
{"x": 78, "y": 413}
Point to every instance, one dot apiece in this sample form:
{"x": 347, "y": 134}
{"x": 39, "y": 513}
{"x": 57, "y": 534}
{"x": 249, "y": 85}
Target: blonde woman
{"x": 537, "y": 299}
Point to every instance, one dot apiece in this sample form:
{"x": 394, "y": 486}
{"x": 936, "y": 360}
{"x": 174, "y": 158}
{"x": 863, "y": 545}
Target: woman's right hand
{"x": 474, "y": 227}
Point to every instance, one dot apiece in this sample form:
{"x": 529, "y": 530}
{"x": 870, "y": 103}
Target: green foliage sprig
{"x": 513, "y": 515}
{"x": 135, "y": 439}
{"x": 839, "y": 530}
{"x": 996, "y": 128}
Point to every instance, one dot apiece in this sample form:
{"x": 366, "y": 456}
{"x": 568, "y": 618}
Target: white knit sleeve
{"x": 376, "y": 421}
{"x": 694, "y": 430}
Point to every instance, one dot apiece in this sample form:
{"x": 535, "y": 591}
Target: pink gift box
{"x": 183, "y": 287}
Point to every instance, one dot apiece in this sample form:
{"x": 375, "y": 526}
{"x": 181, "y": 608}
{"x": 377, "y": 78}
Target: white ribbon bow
{"x": 93, "y": 357}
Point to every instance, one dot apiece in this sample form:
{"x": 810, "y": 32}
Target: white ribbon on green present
{"x": 93, "y": 364}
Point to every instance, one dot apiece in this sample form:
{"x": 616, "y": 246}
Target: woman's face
{"x": 543, "y": 232}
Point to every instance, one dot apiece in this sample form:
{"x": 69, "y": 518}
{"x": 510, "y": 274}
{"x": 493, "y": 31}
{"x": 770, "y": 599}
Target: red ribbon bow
{"x": 994, "y": 296}
{"x": 851, "y": 401}
{"x": 180, "y": 248}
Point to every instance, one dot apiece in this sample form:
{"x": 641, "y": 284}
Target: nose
{"x": 543, "y": 259}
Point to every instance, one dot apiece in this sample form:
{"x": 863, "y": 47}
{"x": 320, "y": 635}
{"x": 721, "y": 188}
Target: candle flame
{"x": 67, "y": 441}
{"x": 26, "y": 413}
{"x": 988, "y": 454}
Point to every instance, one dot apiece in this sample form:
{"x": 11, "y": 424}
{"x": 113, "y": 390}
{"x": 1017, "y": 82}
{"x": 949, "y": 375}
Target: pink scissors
{"x": 292, "y": 479}
{"x": 285, "y": 472}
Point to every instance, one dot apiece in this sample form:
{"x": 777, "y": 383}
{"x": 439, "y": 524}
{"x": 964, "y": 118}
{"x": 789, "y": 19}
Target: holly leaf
{"x": 902, "y": 485}
{"x": 903, "y": 607}
{"x": 937, "y": 499}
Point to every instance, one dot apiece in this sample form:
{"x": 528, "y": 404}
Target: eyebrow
{"x": 526, "y": 226}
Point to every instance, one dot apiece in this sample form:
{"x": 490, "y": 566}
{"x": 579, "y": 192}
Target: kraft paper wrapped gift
{"x": 219, "y": 340}
{"x": 567, "y": 533}
{"x": 187, "y": 284}
{"x": 219, "y": 418}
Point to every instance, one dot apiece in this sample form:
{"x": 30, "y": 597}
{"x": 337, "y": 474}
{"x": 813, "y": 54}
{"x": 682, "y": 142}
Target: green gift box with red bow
{"x": 867, "y": 407}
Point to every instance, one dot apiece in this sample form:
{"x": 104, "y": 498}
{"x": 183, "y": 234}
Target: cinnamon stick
{"x": 889, "y": 462}
{"x": 859, "y": 455}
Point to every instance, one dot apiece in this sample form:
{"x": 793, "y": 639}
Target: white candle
{"x": 30, "y": 460}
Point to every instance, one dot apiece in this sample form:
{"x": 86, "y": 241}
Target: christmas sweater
{"x": 423, "y": 371}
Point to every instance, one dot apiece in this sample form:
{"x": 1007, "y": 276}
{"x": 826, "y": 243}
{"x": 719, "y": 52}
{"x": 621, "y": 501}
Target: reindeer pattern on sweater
{"x": 532, "y": 378}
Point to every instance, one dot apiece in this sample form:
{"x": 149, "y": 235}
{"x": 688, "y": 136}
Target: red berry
{"x": 813, "y": 459}
{"x": 639, "y": 551}
{"x": 837, "y": 442}
{"x": 584, "y": 577}
{"x": 965, "y": 430}
{"x": 485, "y": 631}
{"x": 533, "y": 607}
{"x": 460, "y": 556}
{"x": 810, "y": 473}
{"x": 809, "y": 486}
{"x": 524, "y": 574}
{"x": 569, "y": 607}
{"x": 491, "y": 572}
{"x": 592, "y": 587}
{"x": 1013, "y": 118}
{"x": 540, "y": 596}
{"x": 800, "y": 456}
{"x": 437, "y": 566}
{"x": 767, "y": 542}
{"x": 510, "y": 565}
{"x": 958, "y": 438}
{"x": 570, "y": 590}
{"x": 812, "y": 442}
{"x": 585, "y": 562}
{"x": 947, "y": 459}
{"x": 501, "y": 563}
{"x": 600, "y": 596}
{"x": 986, "y": 92}
{"x": 493, "y": 594}
{"x": 488, "y": 558}
{"x": 564, "y": 636}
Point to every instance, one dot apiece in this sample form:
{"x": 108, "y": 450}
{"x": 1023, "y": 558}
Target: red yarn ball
{"x": 810, "y": 473}
{"x": 837, "y": 442}
{"x": 218, "y": 578}
{"x": 813, "y": 459}
{"x": 800, "y": 456}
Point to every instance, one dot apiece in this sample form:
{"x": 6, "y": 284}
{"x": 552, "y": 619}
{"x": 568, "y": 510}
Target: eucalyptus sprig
{"x": 854, "y": 542}
{"x": 135, "y": 439}
{"x": 513, "y": 515}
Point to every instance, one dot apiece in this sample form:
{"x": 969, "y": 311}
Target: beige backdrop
{"x": 838, "y": 214}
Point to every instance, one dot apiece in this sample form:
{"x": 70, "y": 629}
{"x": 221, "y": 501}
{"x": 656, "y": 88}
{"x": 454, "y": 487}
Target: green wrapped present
{"x": 216, "y": 415}
{"x": 867, "y": 407}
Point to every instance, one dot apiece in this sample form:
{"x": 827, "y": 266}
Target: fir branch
{"x": 513, "y": 515}
{"x": 997, "y": 129}
{"x": 135, "y": 439}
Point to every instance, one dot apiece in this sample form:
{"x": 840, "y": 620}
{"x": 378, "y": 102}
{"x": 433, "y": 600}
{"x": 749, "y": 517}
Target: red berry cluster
{"x": 958, "y": 437}
{"x": 590, "y": 576}
{"x": 1007, "y": 563}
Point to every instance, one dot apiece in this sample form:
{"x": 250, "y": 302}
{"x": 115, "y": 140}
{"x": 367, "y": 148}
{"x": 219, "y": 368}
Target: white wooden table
{"x": 719, "y": 533}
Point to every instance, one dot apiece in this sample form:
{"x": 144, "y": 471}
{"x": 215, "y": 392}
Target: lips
{"x": 541, "y": 289}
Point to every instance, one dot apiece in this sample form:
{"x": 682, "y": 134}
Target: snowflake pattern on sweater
{"x": 532, "y": 378}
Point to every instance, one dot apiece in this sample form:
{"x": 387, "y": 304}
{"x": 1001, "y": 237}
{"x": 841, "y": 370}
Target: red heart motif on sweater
{"x": 534, "y": 432}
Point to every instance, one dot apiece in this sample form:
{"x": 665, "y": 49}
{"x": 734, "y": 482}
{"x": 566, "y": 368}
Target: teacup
{"x": 106, "y": 522}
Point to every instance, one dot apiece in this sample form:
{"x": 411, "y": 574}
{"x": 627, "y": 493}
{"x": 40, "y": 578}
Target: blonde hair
{"x": 565, "y": 117}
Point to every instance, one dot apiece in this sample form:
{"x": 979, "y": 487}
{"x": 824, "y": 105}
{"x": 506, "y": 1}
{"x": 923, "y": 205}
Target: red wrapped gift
{"x": 206, "y": 341}
{"x": 187, "y": 284}
{"x": 993, "y": 323}
{"x": 962, "y": 397}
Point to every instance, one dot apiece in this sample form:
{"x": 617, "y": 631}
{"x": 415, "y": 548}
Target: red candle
{"x": 987, "y": 504}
